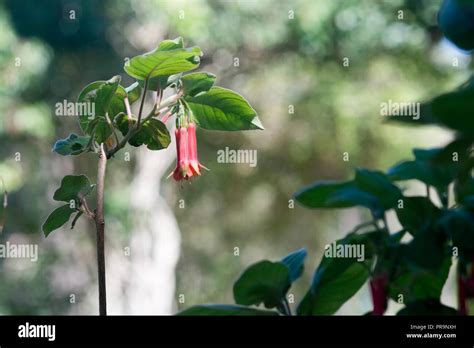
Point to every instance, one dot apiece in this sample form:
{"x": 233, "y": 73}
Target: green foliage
{"x": 370, "y": 189}
{"x": 169, "y": 58}
{"x": 104, "y": 115}
{"x": 265, "y": 282}
{"x": 57, "y": 218}
{"x": 73, "y": 187}
{"x": 223, "y": 109}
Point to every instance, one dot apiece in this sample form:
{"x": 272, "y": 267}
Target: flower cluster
{"x": 187, "y": 163}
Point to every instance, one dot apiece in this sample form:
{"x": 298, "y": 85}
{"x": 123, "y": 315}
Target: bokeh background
{"x": 170, "y": 246}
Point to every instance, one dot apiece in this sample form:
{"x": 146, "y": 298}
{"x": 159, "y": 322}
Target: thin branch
{"x": 100, "y": 227}
{"x": 145, "y": 88}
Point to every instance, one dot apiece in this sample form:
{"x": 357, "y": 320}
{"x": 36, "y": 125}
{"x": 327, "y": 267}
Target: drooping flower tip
{"x": 187, "y": 162}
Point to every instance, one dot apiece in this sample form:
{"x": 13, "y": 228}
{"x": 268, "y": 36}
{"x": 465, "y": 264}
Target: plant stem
{"x": 100, "y": 227}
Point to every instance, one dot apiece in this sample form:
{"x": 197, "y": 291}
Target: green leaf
{"x": 57, "y": 218}
{"x": 426, "y": 250}
{"x": 265, "y": 282}
{"x": 417, "y": 213}
{"x": 134, "y": 91}
{"x": 295, "y": 263}
{"x": 223, "y": 109}
{"x": 225, "y": 310}
{"x": 196, "y": 83}
{"x": 427, "y": 307}
{"x": 335, "y": 281}
{"x": 107, "y": 101}
{"x": 73, "y": 187}
{"x": 167, "y": 59}
{"x": 72, "y": 145}
{"x": 419, "y": 284}
{"x": 370, "y": 189}
{"x": 78, "y": 215}
{"x": 153, "y": 133}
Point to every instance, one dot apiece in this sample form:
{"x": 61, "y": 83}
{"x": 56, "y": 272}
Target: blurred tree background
{"x": 286, "y": 57}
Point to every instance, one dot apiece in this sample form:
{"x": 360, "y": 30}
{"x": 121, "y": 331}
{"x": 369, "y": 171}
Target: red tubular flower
{"x": 378, "y": 287}
{"x": 182, "y": 160}
{"x": 194, "y": 165}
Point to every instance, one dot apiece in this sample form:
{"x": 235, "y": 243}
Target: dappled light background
{"x": 286, "y": 58}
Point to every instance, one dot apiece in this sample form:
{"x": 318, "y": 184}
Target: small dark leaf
{"x": 57, "y": 218}
{"x": 78, "y": 215}
{"x": 153, "y": 133}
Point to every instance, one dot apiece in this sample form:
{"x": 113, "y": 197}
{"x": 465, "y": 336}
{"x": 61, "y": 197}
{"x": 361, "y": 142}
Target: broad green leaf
{"x": 321, "y": 194}
{"x": 377, "y": 184}
{"x": 369, "y": 189}
{"x": 265, "y": 282}
{"x": 419, "y": 284}
{"x": 73, "y": 187}
{"x": 57, "y": 218}
{"x": 335, "y": 281}
{"x": 166, "y": 59}
{"x": 153, "y": 133}
{"x": 295, "y": 263}
{"x": 223, "y": 109}
{"x": 196, "y": 83}
{"x": 72, "y": 145}
{"x": 427, "y": 307}
{"x": 417, "y": 213}
{"x": 225, "y": 310}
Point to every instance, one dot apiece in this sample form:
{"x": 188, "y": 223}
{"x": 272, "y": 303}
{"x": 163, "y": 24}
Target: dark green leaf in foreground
{"x": 417, "y": 213}
{"x": 335, "y": 281}
{"x": 57, "y": 218}
{"x": 223, "y": 109}
{"x": 265, "y": 282}
{"x": 225, "y": 310}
